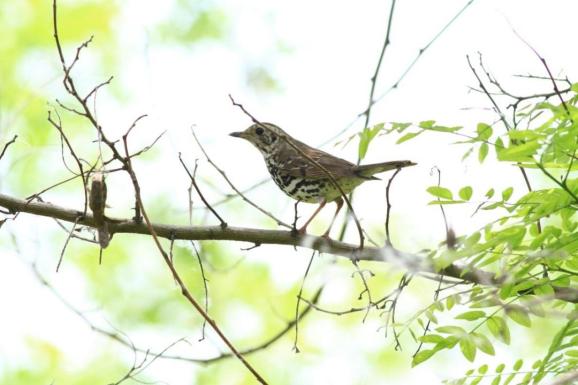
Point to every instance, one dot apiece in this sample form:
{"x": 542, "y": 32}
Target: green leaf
{"x": 450, "y": 302}
{"x": 483, "y": 343}
{"x": 440, "y": 192}
{"x": 472, "y": 239}
{"x": 365, "y": 138}
{"x": 518, "y": 365}
{"x": 484, "y": 131}
{"x": 471, "y": 315}
{"x": 431, "y": 339}
{"x": 427, "y": 123}
{"x": 455, "y": 330}
{"x": 571, "y": 353}
{"x": 430, "y": 125}
{"x": 408, "y": 136}
{"x": 545, "y": 290}
{"x": 483, "y": 152}
{"x": 467, "y": 153}
{"x": 490, "y": 193}
{"x": 466, "y": 193}
{"x": 468, "y": 348}
{"x": 519, "y": 153}
{"x": 422, "y": 356}
{"x": 499, "y": 328}
{"x": 496, "y": 380}
{"x": 448, "y": 343}
{"x": 509, "y": 379}
{"x": 445, "y": 202}
{"x": 507, "y": 193}
{"x": 431, "y": 316}
{"x": 519, "y": 315}
{"x": 399, "y": 126}
{"x": 506, "y": 290}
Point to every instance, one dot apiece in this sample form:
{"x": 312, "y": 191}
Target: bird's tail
{"x": 368, "y": 170}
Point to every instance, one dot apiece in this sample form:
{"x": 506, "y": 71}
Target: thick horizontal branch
{"x": 411, "y": 262}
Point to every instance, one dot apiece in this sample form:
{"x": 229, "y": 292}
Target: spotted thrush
{"x": 302, "y": 171}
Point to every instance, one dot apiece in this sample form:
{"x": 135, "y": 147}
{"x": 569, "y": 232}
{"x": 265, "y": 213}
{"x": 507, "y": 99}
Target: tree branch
{"x": 411, "y": 262}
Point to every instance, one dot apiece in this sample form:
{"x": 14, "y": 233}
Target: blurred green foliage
{"x": 531, "y": 246}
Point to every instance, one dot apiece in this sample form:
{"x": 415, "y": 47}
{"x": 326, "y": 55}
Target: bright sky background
{"x": 331, "y": 48}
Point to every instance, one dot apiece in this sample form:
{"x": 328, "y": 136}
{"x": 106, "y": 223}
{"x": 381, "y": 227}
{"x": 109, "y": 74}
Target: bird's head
{"x": 264, "y": 136}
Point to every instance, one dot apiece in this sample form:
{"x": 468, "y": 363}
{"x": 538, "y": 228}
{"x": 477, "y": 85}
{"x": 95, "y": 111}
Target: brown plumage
{"x": 294, "y": 172}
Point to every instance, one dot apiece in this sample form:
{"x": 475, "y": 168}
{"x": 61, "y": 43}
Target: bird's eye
{"x": 259, "y": 130}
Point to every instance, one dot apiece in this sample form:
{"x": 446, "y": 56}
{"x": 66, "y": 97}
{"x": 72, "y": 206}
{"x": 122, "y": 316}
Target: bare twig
{"x": 367, "y": 111}
{"x": 365, "y": 290}
{"x": 139, "y": 152}
{"x": 348, "y": 311}
{"x": 205, "y": 287}
{"x": 388, "y": 208}
{"x": 428, "y": 324}
{"x": 559, "y": 94}
{"x": 223, "y": 223}
{"x": 66, "y": 244}
{"x": 127, "y": 166}
{"x": 125, "y": 341}
{"x": 174, "y": 272}
{"x": 406, "y": 71}
{"x": 239, "y": 193}
{"x": 500, "y": 114}
{"x": 7, "y": 145}
{"x": 443, "y": 211}
{"x": 390, "y": 318}
{"x": 386, "y": 42}
{"x": 63, "y": 136}
{"x": 295, "y": 347}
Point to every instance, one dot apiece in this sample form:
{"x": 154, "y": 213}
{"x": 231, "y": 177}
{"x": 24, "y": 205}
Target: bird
{"x": 301, "y": 171}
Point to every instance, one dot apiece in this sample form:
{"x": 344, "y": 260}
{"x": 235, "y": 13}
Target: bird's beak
{"x": 237, "y": 134}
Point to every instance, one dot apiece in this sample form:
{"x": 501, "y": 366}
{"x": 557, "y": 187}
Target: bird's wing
{"x": 296, "y": 164}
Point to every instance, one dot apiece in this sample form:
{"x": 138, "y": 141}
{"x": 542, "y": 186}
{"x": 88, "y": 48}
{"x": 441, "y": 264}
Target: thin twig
{"x": 365, "y": 290}
{"x": 205, "y": 288}
{"x": 7, "y": 145}
{"x": 239, "y": 193}
{"x": 428, "y": 323}
{"x": 405, "y": 72}
{"x": 295, "y": 347}
{"x": 386, "y": 42}
{"x": 559, "y": 94}
{"x": 367, "y": 111}
{"x": 192, "y": 178}
{"x": 66, "y": 244}
{"x": 174, "y": 272}
{"x": 403, "y": 283}
{"x": 388, "y": 208}
{"x": 127, "y": 165}
{"x": 63, "y": 136}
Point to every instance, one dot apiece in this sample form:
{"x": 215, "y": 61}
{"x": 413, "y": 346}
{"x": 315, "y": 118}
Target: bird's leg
{"x": 304, "y": 227}
{"x": 339, "y": 203}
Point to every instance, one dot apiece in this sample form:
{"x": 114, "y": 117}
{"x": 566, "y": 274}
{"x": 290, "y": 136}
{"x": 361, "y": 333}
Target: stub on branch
{"x": 97, "y": 203}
